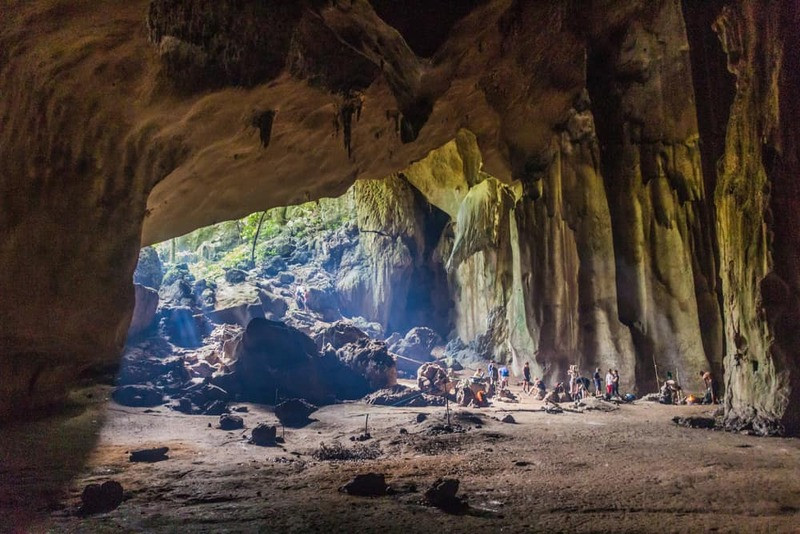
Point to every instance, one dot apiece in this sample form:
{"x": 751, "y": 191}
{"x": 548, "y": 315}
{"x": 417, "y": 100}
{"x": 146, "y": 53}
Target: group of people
{"x": 498, "y": 376}
{"x": 580, "y": 387}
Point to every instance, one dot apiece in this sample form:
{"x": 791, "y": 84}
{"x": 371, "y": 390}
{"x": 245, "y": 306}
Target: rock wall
{"x": 390, "y": 276}
{"x": 640, "y": 82}
{"x": 758, "y": 202}
{"x": 568, "y": 252}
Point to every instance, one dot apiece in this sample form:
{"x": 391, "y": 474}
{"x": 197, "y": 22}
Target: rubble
{"x": 695, "y": 421}
{"x": 399, "y": 395}
{"x": 338, "y": 452}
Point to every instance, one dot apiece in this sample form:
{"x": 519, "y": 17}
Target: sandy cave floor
{"x": 630, "y": 470}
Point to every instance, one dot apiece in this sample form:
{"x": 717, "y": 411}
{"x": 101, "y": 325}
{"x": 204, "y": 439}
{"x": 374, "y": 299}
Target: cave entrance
{"x": 366, "y": 261}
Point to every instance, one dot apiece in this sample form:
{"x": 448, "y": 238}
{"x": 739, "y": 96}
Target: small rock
{"x": 230, "y": 422}
{"x": 403, "y": 431}
{"x": 442, "y": 495}
{"x": 421, "y": 417}
{"x": 150, "y": 455}
{"x": 241, "y": 409}
{"x": 508, "y": 418}
{"x": 264, "y": 434}
{"x": 98, "y": 498}
{"x": 286, "y": 278}
{"x": 366, "y": 485}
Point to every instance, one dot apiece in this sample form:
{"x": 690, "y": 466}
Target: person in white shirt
{"x": 609, "y": 384}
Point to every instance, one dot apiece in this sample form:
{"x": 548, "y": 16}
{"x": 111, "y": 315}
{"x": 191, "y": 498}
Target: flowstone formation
{"x": 554, "y": 144}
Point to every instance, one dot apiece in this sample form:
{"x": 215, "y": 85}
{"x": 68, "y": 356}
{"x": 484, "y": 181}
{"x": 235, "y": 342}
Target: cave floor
{"x": 630, "y": 470}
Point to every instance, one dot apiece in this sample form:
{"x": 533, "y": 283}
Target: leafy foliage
{"x": 209, "y": 251}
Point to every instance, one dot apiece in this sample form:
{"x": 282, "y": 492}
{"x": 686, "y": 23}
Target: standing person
{"x": 711, "y": 387}
{"x": 616, "y": 384}
{"x": 581, "y": 389}
{"x": 526, "y": 378}
{"x": 573, "y": 374}
{"x": 609, "y": 384}
{"x": 301, "y": 295}
{"x": 598, "y": 382}
{"x": 490, "y": 370}
{"x": 504, "y": 377}
{"x": 495, "y": 376}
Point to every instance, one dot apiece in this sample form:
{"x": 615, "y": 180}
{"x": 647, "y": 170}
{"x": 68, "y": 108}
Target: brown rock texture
{"x": 560, "y": 139}
{"x": 758, "y": 202}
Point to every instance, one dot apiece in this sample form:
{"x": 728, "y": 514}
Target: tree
{"x": 255, "y": 239}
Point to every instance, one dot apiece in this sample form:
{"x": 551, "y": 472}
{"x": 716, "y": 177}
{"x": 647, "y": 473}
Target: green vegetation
{"x": 209, "y": 251}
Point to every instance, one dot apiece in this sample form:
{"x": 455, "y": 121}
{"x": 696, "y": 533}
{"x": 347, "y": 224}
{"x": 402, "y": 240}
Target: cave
{"x": 216, "y": 215}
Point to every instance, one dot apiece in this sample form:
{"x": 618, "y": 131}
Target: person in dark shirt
{"x": 526, "y": 378}
{"x": 598, "y": 383}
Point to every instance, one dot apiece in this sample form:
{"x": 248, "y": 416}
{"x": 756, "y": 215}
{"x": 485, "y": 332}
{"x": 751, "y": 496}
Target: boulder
{"x": 294, "y": 412}
{"x": 230, "y": 422}
{"x": 178, "y": 271}
{"x": 240, "y": 314}
{"x": 178, "y": 293}
{"x": 205, "y": 293}
{"x": 99, "y": 498}
{"x": 149, "y": 271}
{"x": 432, "y": 378}
{"x": 274, "y": 306}
{"x": 138, "y": 396}
{"x": 139, "y": 367}
{"x": 235, "y": 276}
{"x": 417, "y": 344}
{"x": 264, "y": 435}
{"x": 144, "y": 311}
{"x": 204, "y": 394}
{"x": 217, "y": 407}
{"x": 340, "y": 334}
{"x": 272, "y": 356}
{"x": 273, "y": 266}
{"x": 286, "y": 278}
{"x": 366, "y": 485}
{"x": 370, "y": 328}
{"x": 202, "y": 369}
{"x": 371, "y": 360}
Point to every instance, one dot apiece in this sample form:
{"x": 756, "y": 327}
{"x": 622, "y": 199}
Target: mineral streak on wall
{"x": 560, "y": 139}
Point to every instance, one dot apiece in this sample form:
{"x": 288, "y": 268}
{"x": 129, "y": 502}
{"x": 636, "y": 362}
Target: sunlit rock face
{"x": 758, "y": 207}
{"x": 557, "y": 140}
